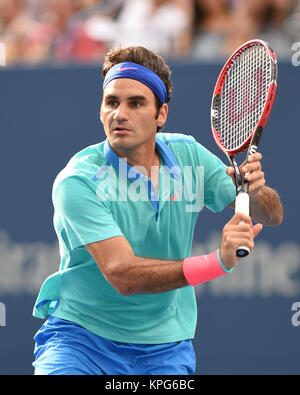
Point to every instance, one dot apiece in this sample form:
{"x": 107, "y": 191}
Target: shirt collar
{"x": 167, "y": 155}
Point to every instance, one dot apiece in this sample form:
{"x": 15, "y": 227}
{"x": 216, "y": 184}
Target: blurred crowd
{"x": 39, "y": 31}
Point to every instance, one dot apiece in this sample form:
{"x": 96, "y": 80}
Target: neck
{"x": 144, "y": 156}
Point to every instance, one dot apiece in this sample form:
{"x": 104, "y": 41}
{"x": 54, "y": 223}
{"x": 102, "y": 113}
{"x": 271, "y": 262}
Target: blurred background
{"x": 51, "y": 53}
{"x": 42, "y": 31}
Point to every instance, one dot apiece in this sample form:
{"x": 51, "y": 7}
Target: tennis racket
{"x": 241, "y": 105}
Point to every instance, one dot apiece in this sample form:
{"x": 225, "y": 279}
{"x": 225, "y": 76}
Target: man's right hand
{"x": 239, "y": 231}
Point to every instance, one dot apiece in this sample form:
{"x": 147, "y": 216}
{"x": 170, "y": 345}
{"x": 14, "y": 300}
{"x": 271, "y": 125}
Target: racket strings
{"x": 244, "y": 96}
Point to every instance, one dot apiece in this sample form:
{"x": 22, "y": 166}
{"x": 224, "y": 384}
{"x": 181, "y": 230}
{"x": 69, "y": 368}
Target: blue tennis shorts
{"x": 65, "y": 348}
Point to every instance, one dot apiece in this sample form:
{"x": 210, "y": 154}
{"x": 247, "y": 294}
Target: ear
{"x": 163, "y": 115}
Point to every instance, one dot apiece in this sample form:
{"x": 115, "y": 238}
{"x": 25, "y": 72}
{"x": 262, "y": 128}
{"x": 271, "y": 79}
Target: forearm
{"x": 144, "y": 276}
{"x": 265, "y": 207}
{"x": 130, "y": 274}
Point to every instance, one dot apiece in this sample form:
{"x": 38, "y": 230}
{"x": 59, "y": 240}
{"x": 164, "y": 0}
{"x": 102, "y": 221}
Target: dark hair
{"x": 146, "y": 58}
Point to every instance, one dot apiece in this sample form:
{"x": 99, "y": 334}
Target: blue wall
{"x": 245, "y": 320}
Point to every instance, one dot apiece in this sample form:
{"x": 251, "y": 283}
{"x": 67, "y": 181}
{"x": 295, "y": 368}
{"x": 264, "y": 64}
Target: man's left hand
{"x": 252, "y": 171}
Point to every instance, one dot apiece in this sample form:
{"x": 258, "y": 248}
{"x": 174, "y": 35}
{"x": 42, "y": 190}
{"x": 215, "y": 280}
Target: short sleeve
{"x": 219, "y": 190}
{"x": 84, "y": 218}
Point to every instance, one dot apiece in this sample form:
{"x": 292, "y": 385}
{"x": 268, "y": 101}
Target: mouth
{"x": 120, "y": 130}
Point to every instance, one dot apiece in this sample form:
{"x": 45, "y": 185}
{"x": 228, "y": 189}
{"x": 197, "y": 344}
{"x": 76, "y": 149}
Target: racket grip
{"x": 242, "y": 205}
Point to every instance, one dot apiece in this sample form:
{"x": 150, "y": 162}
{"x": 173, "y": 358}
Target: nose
{"x": 121, "y": 113}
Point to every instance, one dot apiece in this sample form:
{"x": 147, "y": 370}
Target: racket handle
{"x": 242, "y": 206}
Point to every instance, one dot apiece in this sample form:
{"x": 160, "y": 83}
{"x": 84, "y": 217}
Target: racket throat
{"x": 237, "y": 176}
{"x": 240, "y": 183}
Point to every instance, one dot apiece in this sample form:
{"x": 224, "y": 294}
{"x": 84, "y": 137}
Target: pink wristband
{"x": 199, "y": 269}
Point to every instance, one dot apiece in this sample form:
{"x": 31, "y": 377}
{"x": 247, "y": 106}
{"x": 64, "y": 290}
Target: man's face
{"x": 129, "y": 114}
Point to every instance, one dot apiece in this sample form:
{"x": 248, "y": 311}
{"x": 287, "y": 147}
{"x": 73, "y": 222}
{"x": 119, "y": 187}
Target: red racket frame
{"x": 269, "y": 101}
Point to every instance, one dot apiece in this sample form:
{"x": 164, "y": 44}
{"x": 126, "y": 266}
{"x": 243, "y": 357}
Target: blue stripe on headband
{"x": 140, "y": 73}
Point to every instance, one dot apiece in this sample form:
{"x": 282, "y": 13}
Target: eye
{"x": 112, "y": 103}
{"x": 136, "y": 104}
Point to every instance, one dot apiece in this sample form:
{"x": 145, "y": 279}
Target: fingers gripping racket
{"x": 241, "y": 105}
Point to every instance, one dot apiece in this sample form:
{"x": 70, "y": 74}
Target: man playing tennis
{"x": 122, "y": 301}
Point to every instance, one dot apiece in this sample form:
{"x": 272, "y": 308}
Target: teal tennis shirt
{"x": 99, "y": 195}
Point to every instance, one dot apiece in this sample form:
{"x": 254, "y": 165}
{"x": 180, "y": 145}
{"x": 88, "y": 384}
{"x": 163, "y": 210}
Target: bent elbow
{"x": 124, "y": 291}
{"x": 277, "y": 211}
{"x": 275, "y": 220}
{"x": 116, "y": 276}
{"x": 278, "y": 217}
{"x": 278, "y": 220}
